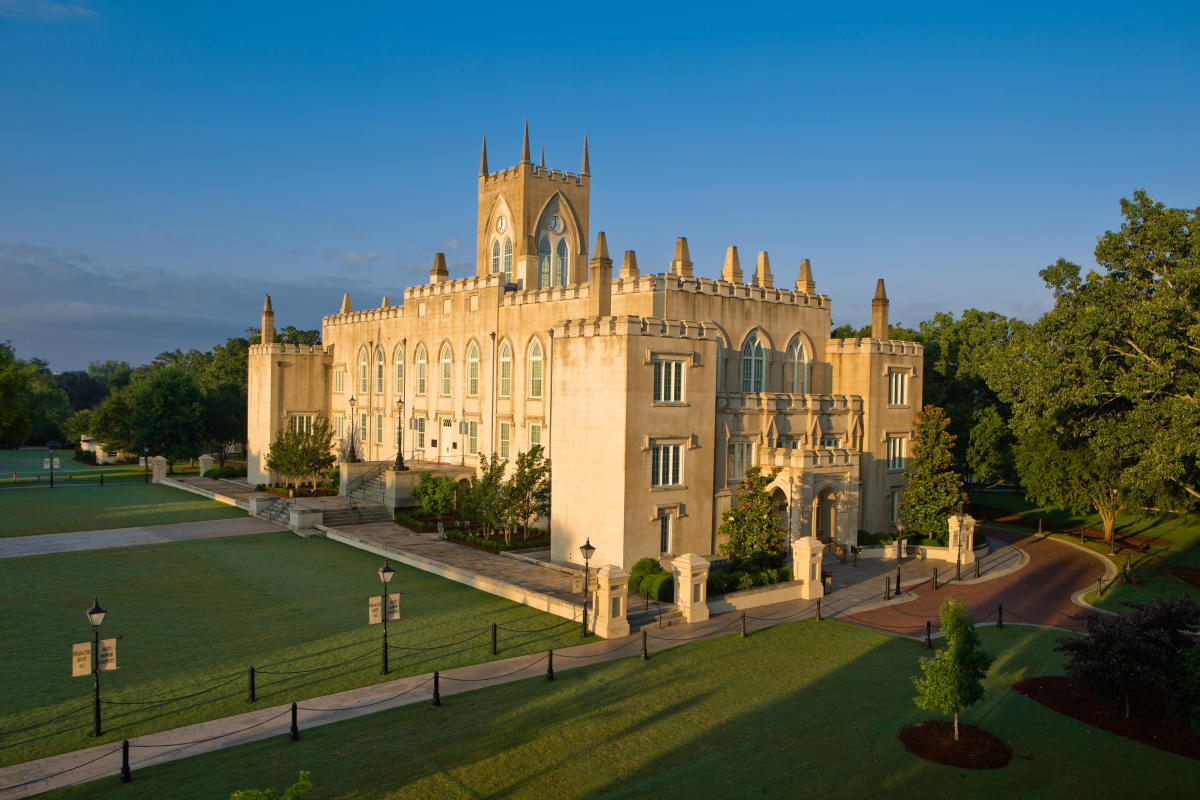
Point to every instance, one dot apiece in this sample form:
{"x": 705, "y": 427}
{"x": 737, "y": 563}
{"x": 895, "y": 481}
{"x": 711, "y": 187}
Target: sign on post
{"x": 375, "y": 608}
{"x": 108, "y": 655}
{"x": 81, "y": 659}
{"x": 46, "y": 463}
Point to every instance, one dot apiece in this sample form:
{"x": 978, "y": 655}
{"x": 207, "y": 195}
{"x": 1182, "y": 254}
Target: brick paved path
{"x": 1040, "y": 593}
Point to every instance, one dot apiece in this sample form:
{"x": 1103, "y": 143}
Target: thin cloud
{"x": 353, "y": 260}
{"x": 47, "y": 11}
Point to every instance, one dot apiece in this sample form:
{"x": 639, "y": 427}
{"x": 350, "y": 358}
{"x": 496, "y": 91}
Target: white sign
{"x": 81, "y": 659}
{"x": 374, "y": 605}
{"x": 141, "y": 461}
{"x": 108, "y": 655}
{"x": 56, "y": 463}
{"x": 46, "y": 463}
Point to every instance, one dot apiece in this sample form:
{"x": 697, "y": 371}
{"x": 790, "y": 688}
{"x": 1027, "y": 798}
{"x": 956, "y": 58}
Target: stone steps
{"x": 356, "y": 516}
{"x": 664, "y": 616}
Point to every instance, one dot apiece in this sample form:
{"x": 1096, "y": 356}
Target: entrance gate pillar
{"x": 962, "y": 537}
{"x": 691, "y": 586}
{"x": 158, "y": 469}
{"x": 806, "y": 566}
{"x": 206, "y": 463}
{"x": 612, "y": 589}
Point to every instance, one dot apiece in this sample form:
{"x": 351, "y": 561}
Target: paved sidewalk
{"x": 21, "y": 546}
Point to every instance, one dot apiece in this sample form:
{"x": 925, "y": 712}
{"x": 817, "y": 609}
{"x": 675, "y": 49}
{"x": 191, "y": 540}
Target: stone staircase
{"x": 278, "y": 512}
{"x": 358, "y": 515}
{"x": 369, "y": 487}
{"x": 658, "y": 615}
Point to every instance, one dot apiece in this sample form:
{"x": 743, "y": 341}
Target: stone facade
{"x": 651, "y": 393}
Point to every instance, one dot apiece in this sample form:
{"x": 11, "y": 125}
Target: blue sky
{"x": 165, "y": 164}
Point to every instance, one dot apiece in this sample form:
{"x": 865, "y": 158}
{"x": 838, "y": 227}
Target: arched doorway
{"x": 825, "y": 516}
{"x": 780, "y": 503}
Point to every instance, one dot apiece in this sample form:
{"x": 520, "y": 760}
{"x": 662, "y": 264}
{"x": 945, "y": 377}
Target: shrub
{"x": 660, "y": 586}
{"x": 718, "y": 582}
{"x": 1188, "y": 682}
{"x": 643, "y": 568}
{"x": 214, "y": 473}
{"x": 746, "y": 581}
{"x": 335, "y": 476}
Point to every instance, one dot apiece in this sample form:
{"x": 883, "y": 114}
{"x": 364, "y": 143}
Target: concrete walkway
{"x": 20, "y": 546}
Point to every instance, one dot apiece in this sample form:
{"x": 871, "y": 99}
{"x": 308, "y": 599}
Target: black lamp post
{"x": 400, "y": 435}
{"x": 352, "y": 456}
{"x": 95, "y": 616}
{"x": 385, "y": 577}
{"x": 51, "y": 449}
{"x": 146, "y": 464}
{"x": 586, "y": 550}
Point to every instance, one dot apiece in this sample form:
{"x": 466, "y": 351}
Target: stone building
{"x": 650, "y": 392}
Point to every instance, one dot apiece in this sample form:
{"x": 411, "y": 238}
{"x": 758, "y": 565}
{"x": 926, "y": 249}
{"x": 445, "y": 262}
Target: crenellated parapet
{"x": 279, "y": 349}
{"x": 881, "y": 346}
{"x": 630, "y": 325}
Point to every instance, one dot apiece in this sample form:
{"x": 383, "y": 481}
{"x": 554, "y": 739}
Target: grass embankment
{"x": 1154, "y": 543}
{"x": 808, "y": 709}
{"x": 195, "y": 614}
{"x": 28, "y": 512}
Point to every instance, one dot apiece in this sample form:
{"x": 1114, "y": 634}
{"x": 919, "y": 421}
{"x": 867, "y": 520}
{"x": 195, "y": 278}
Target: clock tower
{"x": 532, "y": 222}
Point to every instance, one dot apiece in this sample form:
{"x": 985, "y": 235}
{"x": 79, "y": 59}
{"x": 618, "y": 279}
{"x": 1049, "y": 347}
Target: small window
{"x": 535, "y": 369}
{"x": 664, "y": 533}
{"x": 495, "y": 256}
{"x": 300, "y": 422}
{"x": 364, "y": 432}
{"x": 560, "y": 276}
{"x": 400, "y": 371}
{"x": 665, "y": 465}
{"x": 339, "y": 427}
{"x": 741, "y": 456}
{"x": 339, "y": 380}
{"x": 473, "y": 437}
{"x": 379, "y": 429}
{"x": 504, "y": 439}
{"x": 472, "y": 371}
{"x": 421, "y": 364}
{"x": 895, "y": 497}
{"x": 535, "y": 435}
{"x": 379, "y": 371}
{"x": 752, "y": 365}
{"x": 505, "y": 370}
{"x": 419, "y": 429}
{"x": 897, "y": 387}
{"x": 829, "y": 442}
{"x": 363, "y": 377}
{"x": 668, "y": 381}
{"x": 543, "y": 263}
{"x": 895, "y": 452}
{"x": 447, "y": 366}
{"x": 797, "y": 374}
{"x": 508, "y": 261}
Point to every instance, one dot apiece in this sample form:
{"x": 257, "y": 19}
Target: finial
{"x": 586, "y": 169}
{"x": 681, "y": 263}
{"x": 732, "y": 271}
{"x": 880, "y": 292}
{"x": 439, "y": 272}
{"x": 347, "y": 308}
{"x": 483, "y": 169}
{"x": 762, "y": 272}
{"x": 804, "y": 281}
{"x": 542, "y": 163}
{"x": 267, "y": 306}
{"x": 629, "y": 267}
{"x": 525, "y": 145}
{"x": 386, "y": 303}
{"x": 601, "y": 250}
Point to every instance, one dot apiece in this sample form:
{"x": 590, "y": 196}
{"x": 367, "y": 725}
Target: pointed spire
{"x": 732, "y": 271}
{"x": 525, "y": 145}
{"x": 600, "y": 253}
{"x": 879, "y": 312}
{"x": 268, "y": 323}
{"x": 347, "y": 308}
{"x": 483, "y": 169}
{"x": 762, "y": 272}
{"x": 600, "y": 280}
{"x": 267, "y": 306}
{"x": 629, "y": 267}
{"x": 681, "y": 263}
{"x": 542, "y": 161}
{"x": 586, "y": 168}
{"x": 804, "y": 281}
{"x": 439, "y": 272}
{"x": 386, "y": 303}
{"x": 880, "y": 292}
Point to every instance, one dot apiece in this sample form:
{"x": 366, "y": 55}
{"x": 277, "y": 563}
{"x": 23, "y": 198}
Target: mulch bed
{"x": 1189, "y": 574}
{"x": 975, "y": 748}
{"x": 1149, "y": 721}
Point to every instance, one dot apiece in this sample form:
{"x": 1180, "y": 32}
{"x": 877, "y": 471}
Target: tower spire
{"x": 525, "y": 145}
{"x": 543, "y": 164}
{"x": 586, "y": 168}
{"x": 483, "y": 169}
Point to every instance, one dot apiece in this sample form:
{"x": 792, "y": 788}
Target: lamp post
{"x": 352, "y": 456}
{"x": 51, "y": 449}
{"x": 400, "y": 435}
{"x": 146, "y": 464}
{"x": 385, "y": 577}
{"x": 1112, "y": 537}
{"x": 586, "y": 550}
{"x": 95, "y": 616}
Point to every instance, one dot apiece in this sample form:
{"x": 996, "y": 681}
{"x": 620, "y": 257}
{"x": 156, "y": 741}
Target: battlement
{"x": 548, "y": 294}
{"x": 669, "y": 281}
{"x": 279, "y": 349}
{"x": 807, "y": 458}
{"x": 634, "y": 326}
{"x": 537, "y": 173}
{"x": 785, "y": 402}
{"x": 890, "y": 347}
{"x": 468, "y": 284}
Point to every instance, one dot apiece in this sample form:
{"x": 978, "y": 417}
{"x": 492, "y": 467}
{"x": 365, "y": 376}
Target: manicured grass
{"x": 26, "y": 512}
{"x": 195, "y": 614}
{"x": 1180, "y": 546}
{"x": 808, "y": 709}
{"x": 26, "y": 465}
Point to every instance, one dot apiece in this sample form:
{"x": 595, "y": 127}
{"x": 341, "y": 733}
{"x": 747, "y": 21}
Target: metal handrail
{"x": 366, "y": 477}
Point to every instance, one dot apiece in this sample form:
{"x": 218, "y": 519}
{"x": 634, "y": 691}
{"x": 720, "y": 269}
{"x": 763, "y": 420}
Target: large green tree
{"x": 166, "y": 414}
{"x": 754, "y": 537}
{"x": 933, "y": 492}
{"x": 299, "y": 454}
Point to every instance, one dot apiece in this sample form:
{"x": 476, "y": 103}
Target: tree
{"x": 14, "y": 383}
{"x": 934, "y": 490}
{"x": 529, "y": 488}
{"x": 1120, "y": 654}
{"x": 166, "y": 414}
{"x": 755, "y": 538}
{"x": 954, "y": 676}
{"x": 224, "y": 417}
{"x": 435, "y": 494}
{"x": 298, "y": 454}
{"x": 83, "y": 390}
{"x": 991, "y": 455}
{"x": 111, "y": 421}
{"x": 483, "y": 502}
{"x": 113, "y": 374}
{"x": 294, "y": 792}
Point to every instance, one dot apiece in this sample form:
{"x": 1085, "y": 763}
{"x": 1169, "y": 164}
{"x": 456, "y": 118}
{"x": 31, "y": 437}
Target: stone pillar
{"x": 806, "y": 566}
{"x": 206, "y": 463}
{"x": 158, "y": 469}
{"x": 612, "y": 590}
{"x": 691, "y": 586}
{"x": 259, "y": 502}
{"x": 962, "y": 536}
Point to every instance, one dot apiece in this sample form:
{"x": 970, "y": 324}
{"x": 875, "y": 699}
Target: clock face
{"x": 501, "y": 224}
{"x": 556, "y": 224}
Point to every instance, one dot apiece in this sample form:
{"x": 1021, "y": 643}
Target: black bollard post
{"x": 493, "y": 638}
{"x": 1000, "y": 616}
{"x": 437, "y": 696}
{"x": 295, "y": 732}
{"x": 977, "y": 566}
{"x": 1126, "y": 575}
{"x": 935, "y": 583}
{"x": 550, "y": 664}
{"x": 887, "y": 588}
{"x": 645, "y": 652}
{"x": 126, "y": 776}
{"x": 928, "y": 635}
{"x": 1039, "y": 526}
{"x": 1100, "y": 586}
{"x": 856, "y": 555}
{"x": 897, "y": 579}
{"x": 101, "y": 478}
{"x": 958, "y": 569}
{"x": 818, "y": 609}
{"x": 843, "y": 549}
{"x": 743, "y": 624}
{"x": 253, "y": 698}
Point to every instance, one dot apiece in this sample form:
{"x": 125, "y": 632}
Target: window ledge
{"x": 670, "y": 404}
{"x": 678, "y": 487}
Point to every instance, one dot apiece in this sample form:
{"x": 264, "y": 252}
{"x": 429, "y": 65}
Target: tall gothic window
{"x": 447, "y": 364}
{"x": 797, "y": 366}
{"x": 543, "y": 263}
{"x": 472, "y": 370}
{"x": 535, "y": 369}
{"x": 495, "y": 256}
{"x": 508, "y": 261}
{"x": 379, "y": 370}
{"x": 505, "y": 370}
{"x": 560, "y": 276}
{"x": 752, "y": 365}
{"x": 400, "y": 371}
{"x": 421, "y": 365}
{"x": 364, "y": 378}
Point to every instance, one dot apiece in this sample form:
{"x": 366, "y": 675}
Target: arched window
{"x": 752, "y": 365}
{"x": 508, "y": 261}
{"x": 535, "y": 369}
{"x": 364, "y": 378}
{"x": 505, "y": 370}
{"x": 421, "y": 369}
{"x": 560, "y": 277}
{"x": 400, "y": 371}
{"x": 720, "y": 365}
{"x": 496, "y": 256}
{"x": 472, "y": 371}
{"x": 447, "y": 363}
{"x": 379, "y": 370}
{"x": 543, "y": 263}
{"x": 797, "y": 368}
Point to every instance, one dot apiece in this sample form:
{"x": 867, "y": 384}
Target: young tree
{"x": 755, "y": 537}
{"x": 294, "y": 792}
{"x": 934, "y": 491}
{"x": 954, "y": 676}
{"x": 435, "y": 494}
{"x": 529, "y": 491}
{"x": 483, "y": 502}
{"x": 297, "y": 454}
{"x": 1140, "y": 651}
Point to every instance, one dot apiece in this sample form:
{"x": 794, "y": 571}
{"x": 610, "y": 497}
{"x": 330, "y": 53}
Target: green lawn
{"x": 194, "y": 614}
{"x": 26, "y": 512}
{"x": 26, "y": 466}
{"x": 1180, "y": 546}
{"x": 808, "y": 709}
